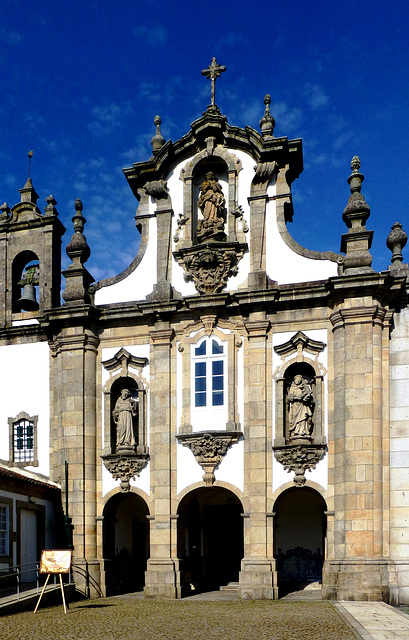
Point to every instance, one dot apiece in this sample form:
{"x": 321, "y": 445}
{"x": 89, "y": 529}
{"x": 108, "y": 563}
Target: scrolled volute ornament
{"x": 300, "y": 458}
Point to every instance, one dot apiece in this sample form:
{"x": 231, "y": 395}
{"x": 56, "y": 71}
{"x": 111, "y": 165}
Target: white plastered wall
{"x": 399, "y": 450}
{"x": 284, "y": 265}
{"x": 25, "y": 386}
{"x": 320, "y": 473}
{"x": 143, "y": 480}
{"x": 138, "y": 284}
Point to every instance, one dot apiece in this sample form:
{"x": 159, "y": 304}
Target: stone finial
{"x": 28, "y": 193}
{"x": 396, "y": 240}
{"x": 77, "y": 277}
{"x": 50, "y": 208}
{"x": 158, "y": 140}
{"x": 267, "y": 122}
{"x": 78, "y": 249}
{"x": 357, "y": 210}
{"x": 357, "y": 242}
{"x": 5, "y": 212}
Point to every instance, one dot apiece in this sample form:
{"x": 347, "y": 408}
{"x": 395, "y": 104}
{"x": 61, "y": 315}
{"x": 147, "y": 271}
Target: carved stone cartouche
{"x": 210, "y": 266}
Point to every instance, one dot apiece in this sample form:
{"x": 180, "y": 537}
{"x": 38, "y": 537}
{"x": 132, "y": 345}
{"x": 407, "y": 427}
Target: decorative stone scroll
{"x": 300, "y": 458}
{"x": 210, "y": 266}
{"x": 125, "y": 467}
{"x": 209, "y": 449}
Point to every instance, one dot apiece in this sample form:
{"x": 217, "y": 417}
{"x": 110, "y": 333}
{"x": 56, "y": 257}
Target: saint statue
{"x": 211, "y": 203}
{"x": 124, "y": 414}
{"x": 300, "y": 405}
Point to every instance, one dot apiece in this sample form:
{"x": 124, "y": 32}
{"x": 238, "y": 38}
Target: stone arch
{"x": 209, "y": 538}
{"x": 300, "y": 525}
{"x": 125, "y": 542}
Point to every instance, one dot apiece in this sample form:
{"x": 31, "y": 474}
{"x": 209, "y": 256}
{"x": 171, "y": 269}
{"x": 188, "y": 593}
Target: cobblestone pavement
{"x": 138, "y": 619}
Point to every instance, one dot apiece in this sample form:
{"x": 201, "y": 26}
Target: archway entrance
{"x": 210, "y": 539}
{"x": 126, "y": 543}
{"x": 299, "y": 538}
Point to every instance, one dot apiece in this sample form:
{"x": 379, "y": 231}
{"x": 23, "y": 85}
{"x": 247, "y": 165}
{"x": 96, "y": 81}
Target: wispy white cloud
{"x": 156, "y": 36}
{"x": 33, "y": 120}
{"x": 287, "y": 118}
{"x": 10, "y": 37}
{"x": 106, "y": 119}
{"x": 316, "y": 96}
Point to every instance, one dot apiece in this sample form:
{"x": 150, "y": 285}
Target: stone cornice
{"x": 161, "y": 337}
{"x": 358, "y": 315}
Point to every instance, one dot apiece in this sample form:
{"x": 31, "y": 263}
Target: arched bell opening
{"x": 299, "y": 539}
{"x": 25, "y": 282}
{"x": 210, "y": 539}
{"x": 125, "y": 543}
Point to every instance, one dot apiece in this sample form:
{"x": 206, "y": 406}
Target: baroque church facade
{"x": 233, "y": 407}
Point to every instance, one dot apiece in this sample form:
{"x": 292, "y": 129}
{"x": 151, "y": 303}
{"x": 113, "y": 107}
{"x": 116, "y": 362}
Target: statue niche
{"x": 125, "y": 416}
{"x": 300, "y": 408}
{"x": 211, "y": 202}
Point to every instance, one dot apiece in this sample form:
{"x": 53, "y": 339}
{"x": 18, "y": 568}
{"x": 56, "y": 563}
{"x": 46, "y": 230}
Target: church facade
{"x": 233, "y": 407}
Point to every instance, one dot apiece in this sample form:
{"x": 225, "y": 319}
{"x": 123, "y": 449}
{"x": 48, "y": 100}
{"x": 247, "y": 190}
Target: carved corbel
{"x": 125, "y": 467}
{"x": 209, "y": 449}
{"x": 300, "y": 458}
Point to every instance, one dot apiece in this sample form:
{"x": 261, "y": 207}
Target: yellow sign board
{"x": 55, "y": 561}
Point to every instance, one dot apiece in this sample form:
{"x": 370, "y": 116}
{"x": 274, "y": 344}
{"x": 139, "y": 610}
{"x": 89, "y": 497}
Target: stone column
{"x": 73, "y": 439}
{"x": 358, "y": 569}
{"x": 162, "y": 575}
{"x": 257, "y": 576}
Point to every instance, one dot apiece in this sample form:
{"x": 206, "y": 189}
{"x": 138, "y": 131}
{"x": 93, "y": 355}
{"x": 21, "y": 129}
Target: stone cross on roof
{"x": 213, "y": 71}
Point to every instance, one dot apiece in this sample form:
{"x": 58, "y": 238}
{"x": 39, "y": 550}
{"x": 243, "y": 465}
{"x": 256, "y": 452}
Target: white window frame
{"x": 209, "y": 416}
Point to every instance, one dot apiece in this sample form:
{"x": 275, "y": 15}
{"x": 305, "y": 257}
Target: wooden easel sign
{"x": 55, "y": 561}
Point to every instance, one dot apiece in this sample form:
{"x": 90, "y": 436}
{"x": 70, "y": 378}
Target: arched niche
{"x": 312, "y": 375}
{"x": 125, "y": 373}
{"x": 226, "y": 167}
{"x": 25, "y": 282}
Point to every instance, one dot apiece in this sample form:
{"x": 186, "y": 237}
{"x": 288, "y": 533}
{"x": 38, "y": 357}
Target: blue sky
{"x": 83, "y": 81}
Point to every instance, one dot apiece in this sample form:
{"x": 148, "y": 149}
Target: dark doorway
{"x": 299, "y": 538}
{"x": 126, "y": 543}
{"x": 210, "y": 539}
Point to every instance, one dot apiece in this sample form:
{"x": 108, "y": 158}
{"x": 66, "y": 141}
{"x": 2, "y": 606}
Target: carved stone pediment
{"x": 209, "y": 449}
{"x": 209, "y": 266}
{"x": 300, "y": 458}
{"x": 125, "y": 466}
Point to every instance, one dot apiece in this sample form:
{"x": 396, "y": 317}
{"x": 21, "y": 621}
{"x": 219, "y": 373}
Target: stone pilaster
{"x": 258, "y": 578}
{"x": 356, "y": 567}
{"x": 162, "y": 575}
{"x": 73, "y": 416}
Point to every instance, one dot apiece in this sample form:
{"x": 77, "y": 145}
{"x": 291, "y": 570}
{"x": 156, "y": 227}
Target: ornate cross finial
{"x": 213, "y": 71}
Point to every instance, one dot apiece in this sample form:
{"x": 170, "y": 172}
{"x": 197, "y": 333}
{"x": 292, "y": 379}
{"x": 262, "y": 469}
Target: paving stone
{"x": 127, "y": 618}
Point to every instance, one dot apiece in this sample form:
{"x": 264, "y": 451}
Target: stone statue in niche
{"x": 212, "y": 205}
{"x": 124, "y": 415}
{"x": 300, "y": 407}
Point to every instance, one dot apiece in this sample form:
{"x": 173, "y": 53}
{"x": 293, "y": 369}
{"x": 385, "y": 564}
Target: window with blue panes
{"x": 209, "y": 380}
